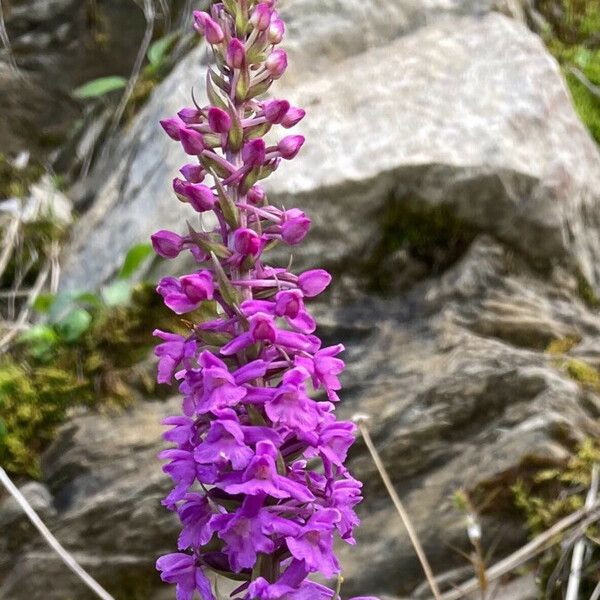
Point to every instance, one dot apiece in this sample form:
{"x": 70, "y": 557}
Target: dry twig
{"x": 581, "y": 519}
{"x": 51, "y": 540}
{"x": 579, "y": 549}
{"x": 360, "y": 420}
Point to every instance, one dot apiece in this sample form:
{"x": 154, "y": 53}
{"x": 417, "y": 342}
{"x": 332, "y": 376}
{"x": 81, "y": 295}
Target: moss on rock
{"x": 105, "y": 368}
{"x": 431, "y": 236}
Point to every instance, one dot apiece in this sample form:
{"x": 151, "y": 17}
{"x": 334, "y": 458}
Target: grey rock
{"x": 478, "y": 121}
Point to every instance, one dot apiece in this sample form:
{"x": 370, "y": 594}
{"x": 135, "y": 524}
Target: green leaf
{"x": 100, "y": 87}
{"x": 61, "y": 306}
{"x": 583, "y": 57}
{"x": 39, "y": 341}
{"x": 160, "y": 48}
{"x": 43, "y": 303}
{"x": 134, "y": 260}
{"x": 89, "y": 298}
{"x": 74, "y": 325}
{"x": 3, "y": 430}
{"x": 118, "y": 293}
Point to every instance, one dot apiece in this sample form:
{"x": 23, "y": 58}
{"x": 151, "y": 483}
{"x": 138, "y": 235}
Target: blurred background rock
{"x": 453, "y": 176}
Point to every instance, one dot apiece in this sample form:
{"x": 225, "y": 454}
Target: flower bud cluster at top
{"x": 260, "y": 485}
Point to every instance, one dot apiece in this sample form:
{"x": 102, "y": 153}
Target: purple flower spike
{"x": 258, "y": 457}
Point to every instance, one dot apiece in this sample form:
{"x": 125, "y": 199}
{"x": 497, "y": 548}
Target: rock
{"x": 56, "y": 46}
{"x": 499, "y": 149}
{"x": 13, "y": 519}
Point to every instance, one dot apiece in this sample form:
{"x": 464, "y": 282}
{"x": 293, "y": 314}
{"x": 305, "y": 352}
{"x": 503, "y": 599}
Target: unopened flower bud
{"x": 173, "y": 128}
{"x": 275, "y": 110}
{"x": 190, "y": 115}
{"x": 295, "y": 226}
{"x": 167, "y": 244}
{"x": 199, "y": 196}
{"x": 236, "y": 54}
{"x": 191, "y": 141}
{"x": 290, "y": 145}
{"x": 246, "y": 242}
{"x": 206, "y": 25}
{"x": 253, "y": 152}
{"x": 276, "y": 31}
{"x": 193, "y": 173}
{"x": 256, "y": 195}
{"x": 293, "y": 116}
{"x": 276, "y": 64}
{"x": 261, "y": 17}
{"x": 218, "y": 120}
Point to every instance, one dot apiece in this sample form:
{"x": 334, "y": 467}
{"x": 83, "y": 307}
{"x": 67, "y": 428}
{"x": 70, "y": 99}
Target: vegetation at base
{"x": 578, "y": 370}
{"x": 15, "y": 182}
{"x": 546, "y": 498}
{"x": 572, "y": 37}
{"x": 89, "y": 351}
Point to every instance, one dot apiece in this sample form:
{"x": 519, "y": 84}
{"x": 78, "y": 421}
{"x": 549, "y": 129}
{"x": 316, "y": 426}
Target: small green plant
{"x": 549, "y": 495}
{"x": 572, "y": 37}
{"x": 156, "y": 68}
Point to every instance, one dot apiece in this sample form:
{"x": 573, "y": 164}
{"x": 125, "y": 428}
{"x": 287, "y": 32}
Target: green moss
{"x": 583, "y": 373}
{"x": 586, "y": 291}
{"x": 562, "y": 345}
{"x": 549, "y": 496}
{"x": 573, "y": 39}
{"x": 431, "y": 235}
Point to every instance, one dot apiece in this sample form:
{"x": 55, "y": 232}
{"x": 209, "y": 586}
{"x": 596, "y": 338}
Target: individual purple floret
{"x": 260, "y": 484}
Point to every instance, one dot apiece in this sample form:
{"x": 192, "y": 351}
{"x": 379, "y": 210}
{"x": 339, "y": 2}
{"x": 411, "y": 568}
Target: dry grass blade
{"x": 51, "y": 540}
{"x": 412, "y": 534}
{"x": 21, "y": 321}
{"x": 591, "y": 87}
{"x": 581, "y": 519}
{"x": 579, "y": 549}
{"x": 6, "y": 42}
{"x": 12, "y": 230}
{"x": 150, "y": 16}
